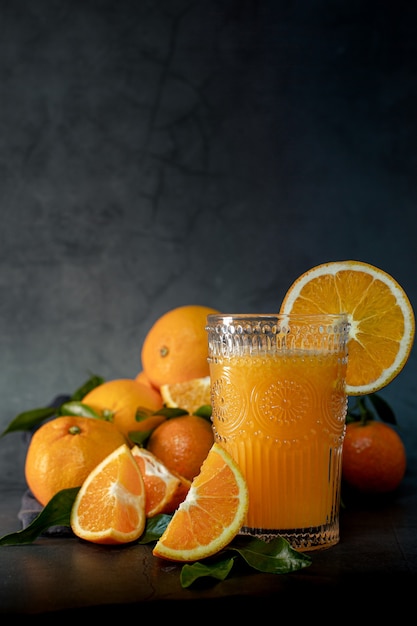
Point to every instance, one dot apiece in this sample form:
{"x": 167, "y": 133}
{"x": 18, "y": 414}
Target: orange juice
{"x": 280, "y": 410}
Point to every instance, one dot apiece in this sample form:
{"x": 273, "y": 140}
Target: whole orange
{"x": 175, "y": 348}
{"x": 142, "y": 378}
{"x": 63, "y": 451}
{"x": 182, "y": 444}
{"x": 374, "y": 457}
{"x": 119, "y": 400}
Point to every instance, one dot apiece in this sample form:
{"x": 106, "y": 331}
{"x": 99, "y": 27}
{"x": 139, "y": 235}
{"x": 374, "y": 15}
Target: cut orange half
{"x": 189, "y": 395}
{"x": 110, "y": 505}
{"x": 212, "y": 513}
{"x": 381, "y": 318}
{"x": 164, "y": 489}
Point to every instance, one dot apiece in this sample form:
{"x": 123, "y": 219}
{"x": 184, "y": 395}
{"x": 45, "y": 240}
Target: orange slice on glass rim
{"x": 212, "y": 513}
{"x": 382, "y": 323}
{"x": 110, "y": 505}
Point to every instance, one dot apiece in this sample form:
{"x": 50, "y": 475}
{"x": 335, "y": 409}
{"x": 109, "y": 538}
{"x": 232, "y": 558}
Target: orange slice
{"x": 110, "y": 505}
{"x": 164, "y": 489}
{"x": 212, "y": 513}
{"x": 382, "y": 323}
{"x": 189, "y": 395}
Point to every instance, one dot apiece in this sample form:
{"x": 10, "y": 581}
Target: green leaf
{"x": 204, "y": 411}
{"x": 29, "y": 419}
{"x": 142, "y": 414}
{"x": 139, "y": 437}
{"x": 79, "y": 409}
{"x": 218, "y": 570}
{"x": 171, "y": 412}
{"x": 154, "y": 528}
{"x": 91, "y": 383}
{"x": 359, "y": 411}
{"x": 56, "y": 513}
{"x": 383, "y": 409}
{"x": 274, "y": 557}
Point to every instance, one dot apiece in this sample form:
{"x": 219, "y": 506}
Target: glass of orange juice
{"x": 278, "y": 407}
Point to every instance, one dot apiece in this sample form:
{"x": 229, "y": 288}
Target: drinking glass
{"x": 278, "y": 407}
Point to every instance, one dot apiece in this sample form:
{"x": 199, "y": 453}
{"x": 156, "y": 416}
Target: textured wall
{"x": 173, "y": 152}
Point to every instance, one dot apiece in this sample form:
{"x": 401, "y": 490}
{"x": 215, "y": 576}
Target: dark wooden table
{"x": 56, "y": 575}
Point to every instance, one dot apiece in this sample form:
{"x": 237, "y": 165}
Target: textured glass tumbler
{"x": 279, "y": 407}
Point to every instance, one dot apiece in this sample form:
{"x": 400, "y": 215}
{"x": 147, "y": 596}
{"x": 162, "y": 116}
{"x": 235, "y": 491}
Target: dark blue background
{"x": 162, "y": 153}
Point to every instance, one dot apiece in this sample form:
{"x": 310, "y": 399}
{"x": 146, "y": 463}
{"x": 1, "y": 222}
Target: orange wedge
{"x": 164, "y": 489}
{"x": 212, "y": 513}
{"x": 381, "y": 318}
{"x": 110, "y": 505}
{"x": 189, "y": 395}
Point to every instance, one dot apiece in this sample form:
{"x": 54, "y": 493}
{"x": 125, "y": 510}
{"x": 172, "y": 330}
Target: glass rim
{"x": 276, "y": 316}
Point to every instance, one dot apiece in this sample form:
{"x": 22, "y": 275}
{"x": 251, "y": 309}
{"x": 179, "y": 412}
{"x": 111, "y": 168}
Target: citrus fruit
{"x": 175, "y": 348}
{"x": 119, "y": 400}
{"x": 182, "y": 444}
{"x": 381, "y": 318}
{"x": 110, "y": 506}
{"x": 374, "y": 457}
{"x": 189, "y": 395}
{"x": 212, "y": 513}
{"x": 63, "y": 451}
{"x": 142, "y": 378}
{"x": 164, "y": 489}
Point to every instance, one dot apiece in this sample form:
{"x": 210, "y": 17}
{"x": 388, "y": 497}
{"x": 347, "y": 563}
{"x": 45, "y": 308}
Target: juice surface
{"x": 282, "y": 418}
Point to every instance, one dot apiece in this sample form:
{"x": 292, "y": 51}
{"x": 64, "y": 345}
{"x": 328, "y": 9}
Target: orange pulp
{"x": 282, "y": 418}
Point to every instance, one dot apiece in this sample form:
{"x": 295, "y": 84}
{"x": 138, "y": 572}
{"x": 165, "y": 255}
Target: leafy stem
{"x": 73, "y": 405}
{"x": 274, "y": 557}
{"x": 366, "y": 408}
{"x": 29, "y": 419}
